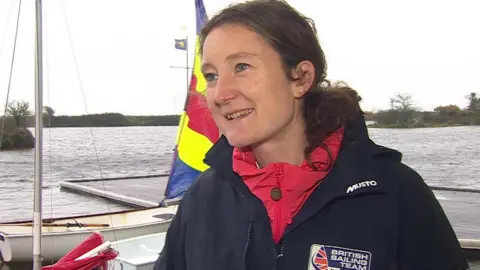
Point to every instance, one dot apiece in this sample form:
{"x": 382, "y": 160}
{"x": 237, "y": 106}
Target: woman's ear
{"x": 304, "y": 75}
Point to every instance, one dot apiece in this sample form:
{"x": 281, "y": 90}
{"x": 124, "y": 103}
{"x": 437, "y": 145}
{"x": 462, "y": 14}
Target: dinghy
{"x": 197, "y": 132}
{"x": 61, "y": 235}
{"x": 138, "y": 252}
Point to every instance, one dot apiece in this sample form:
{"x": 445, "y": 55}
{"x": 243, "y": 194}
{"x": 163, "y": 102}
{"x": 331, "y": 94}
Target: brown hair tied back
{"x": 327, "y": 106}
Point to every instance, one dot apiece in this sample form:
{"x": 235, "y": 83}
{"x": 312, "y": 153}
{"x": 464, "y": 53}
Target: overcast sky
{"x": 124, "y": 51}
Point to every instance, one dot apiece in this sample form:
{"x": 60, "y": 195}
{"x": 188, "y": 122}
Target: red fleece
{"x": 295, "y": 182}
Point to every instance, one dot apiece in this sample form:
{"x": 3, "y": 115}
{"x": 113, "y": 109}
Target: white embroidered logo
{"x": 324, "y": 257}
{"x": 363, "y": 184}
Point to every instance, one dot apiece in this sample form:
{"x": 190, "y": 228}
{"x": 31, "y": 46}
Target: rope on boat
{"x": 4, "y": 118}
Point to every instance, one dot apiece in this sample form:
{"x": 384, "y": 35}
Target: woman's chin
{"x": 238, "y": 140}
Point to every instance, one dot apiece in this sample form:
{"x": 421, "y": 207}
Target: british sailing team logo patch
{"x": 338, "y": 258}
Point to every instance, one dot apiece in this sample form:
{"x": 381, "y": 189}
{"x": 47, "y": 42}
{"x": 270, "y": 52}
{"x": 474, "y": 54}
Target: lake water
{"x": 443, "y": 156}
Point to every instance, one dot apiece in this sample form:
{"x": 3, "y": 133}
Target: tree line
{"x": 18, "y": 114}
{"x": 404, "y": 114}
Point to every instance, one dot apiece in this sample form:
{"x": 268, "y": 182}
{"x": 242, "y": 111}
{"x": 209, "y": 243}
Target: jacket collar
{"x": 220, "y": 155}
{"x": 356, "y": 135}
{"x": 352, "y": 174}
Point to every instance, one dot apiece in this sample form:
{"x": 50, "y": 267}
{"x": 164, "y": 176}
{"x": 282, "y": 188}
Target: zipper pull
{"x": 279, "y": 249}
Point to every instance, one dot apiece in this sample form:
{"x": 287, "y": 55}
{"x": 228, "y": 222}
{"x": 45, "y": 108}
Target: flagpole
{"x": 186, "y": 67}
{"x": 165, "y": 202}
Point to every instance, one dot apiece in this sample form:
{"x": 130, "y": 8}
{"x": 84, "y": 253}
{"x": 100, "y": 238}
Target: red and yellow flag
{"x": 197, "y": 131}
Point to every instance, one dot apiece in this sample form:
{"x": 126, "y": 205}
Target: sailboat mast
{"x": 37, "y": 212}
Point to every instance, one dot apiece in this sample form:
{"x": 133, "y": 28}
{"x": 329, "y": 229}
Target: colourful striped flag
{"x": 197, "y": 131}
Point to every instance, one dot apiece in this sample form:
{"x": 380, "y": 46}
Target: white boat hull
{"x": 57, "y": 241}
{"x": 138, "y": 253}
{"x": 141, "y": 253}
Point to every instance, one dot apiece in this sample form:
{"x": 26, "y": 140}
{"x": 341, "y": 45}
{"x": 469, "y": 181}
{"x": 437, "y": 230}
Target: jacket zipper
{"x": 249, "y": 236}
{"x": 279, "y": 221}
{"x": 279, "y": 253}
{"x": 279, "y": 247}
{"x": 280, "y": 250}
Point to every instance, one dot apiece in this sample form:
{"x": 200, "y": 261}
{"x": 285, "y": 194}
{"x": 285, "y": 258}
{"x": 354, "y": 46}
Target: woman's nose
{"x": 225, "y": 90}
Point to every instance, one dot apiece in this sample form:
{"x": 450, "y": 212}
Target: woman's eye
{"x": 210, "y": 77}
{"x": 241, "y": 67}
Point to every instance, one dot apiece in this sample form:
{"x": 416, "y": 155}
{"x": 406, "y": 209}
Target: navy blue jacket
{"x": 370, "y": 212}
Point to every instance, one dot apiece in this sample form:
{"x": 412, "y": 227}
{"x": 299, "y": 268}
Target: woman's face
{"x": 248, "y": 92}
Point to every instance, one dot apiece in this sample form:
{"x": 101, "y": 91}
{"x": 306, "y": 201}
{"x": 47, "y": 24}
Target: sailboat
{"x": 52, "y": 239}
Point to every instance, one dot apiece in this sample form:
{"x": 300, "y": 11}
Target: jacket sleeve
{"x": 172, "y": 256}
{"x": 426, "y": 238}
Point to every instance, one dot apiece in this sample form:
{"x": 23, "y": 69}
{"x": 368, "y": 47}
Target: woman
{"x": 295, "y": 182}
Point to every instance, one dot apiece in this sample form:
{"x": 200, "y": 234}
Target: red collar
{"x": 283, "y": 187}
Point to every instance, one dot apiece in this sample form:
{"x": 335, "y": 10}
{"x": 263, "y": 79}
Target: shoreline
{"x": 416, "y": 126}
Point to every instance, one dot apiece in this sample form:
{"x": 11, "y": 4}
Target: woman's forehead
{"x": 232, "y": 42}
